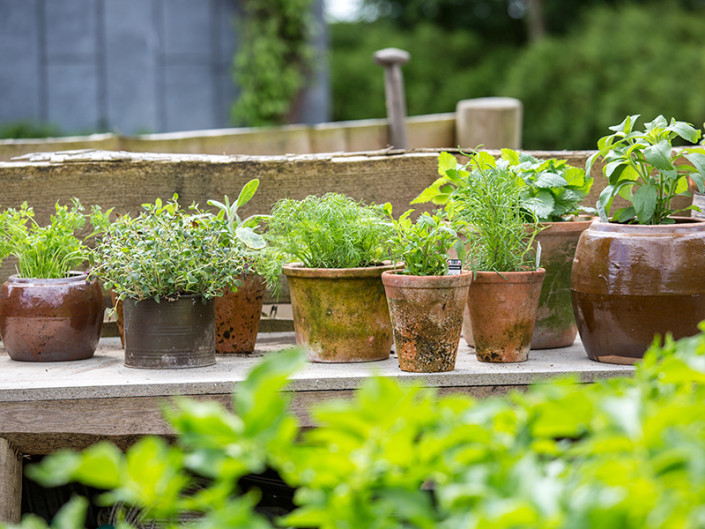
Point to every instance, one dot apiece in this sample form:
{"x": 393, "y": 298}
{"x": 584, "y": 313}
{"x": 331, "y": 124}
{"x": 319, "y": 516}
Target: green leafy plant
{"x": 642, "y": 168}
{"x": 330, "y": 231}
{"x": 423, "y": 245}
{"x": 242, "y": 230}
{"x": 45, "y": 252}
{"x": 550, "y": 190}
{"x": 165, "y": 252}
{"x": 561, "y": 455}
{"x": 273, "y": 60}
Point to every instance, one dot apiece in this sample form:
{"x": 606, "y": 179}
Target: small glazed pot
{"x": 427, "y": 318}
{"x": 237, "y": 315}
{"x": 170, "y": 334}
{"x": 631, "y": 282}
{"x": 51, "y": 320}
{"x": 340, "y": 314}
{"x": 502, "y": 310}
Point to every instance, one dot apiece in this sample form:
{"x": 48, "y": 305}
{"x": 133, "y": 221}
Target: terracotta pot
{"x": 427, "y": 317}
{"x": 503, "y": 311}
{"x": 340, "y": 314}
{"x": 51, "y": 320}
{"x": 169, "y": 334}
{"x": 237, "y": 315}
{"x": 631, "y": 282}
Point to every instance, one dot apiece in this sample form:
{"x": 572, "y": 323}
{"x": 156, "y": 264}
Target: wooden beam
{"x": 10, "y": 483}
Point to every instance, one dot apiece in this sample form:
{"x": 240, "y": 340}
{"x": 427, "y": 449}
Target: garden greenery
{"x": 329, "y": 231}
{"x": 273, "y": 60}
{"x": 642, "y": 167}
{"x": 45, "y": 252}
{"x": 423, "y": 246}
{"x": 562, "y": 455}
{"x": 165, "y": 252}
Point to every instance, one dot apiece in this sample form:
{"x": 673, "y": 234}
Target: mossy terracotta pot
{"x": 503, "y": 310}
{"x": 51, "y": 320}
{"x": 427, "y": 318}
{"x": 631, "y": 282}
{"x": 237, "y": 315}
{"x": 340, "y": 314}
{"x": 170, "y": 334}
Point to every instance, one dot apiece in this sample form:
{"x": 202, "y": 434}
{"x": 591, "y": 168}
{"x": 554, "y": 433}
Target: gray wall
{"x": 125, "y": 65}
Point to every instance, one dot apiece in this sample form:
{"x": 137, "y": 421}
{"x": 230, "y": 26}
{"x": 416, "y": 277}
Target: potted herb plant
{"x": 331, "y": 250}
{"x": 49, "y": 311}
{"x": 639, "y": 271}
{"x": 238, "y": 310}
{"x": 425, "y": 302}
{"x": 166, "y": 265}
{"x": 551, "y": 191}
{"x": 504, "y": 293}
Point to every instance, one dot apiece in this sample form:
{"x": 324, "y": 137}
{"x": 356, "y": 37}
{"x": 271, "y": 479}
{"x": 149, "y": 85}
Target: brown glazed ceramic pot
{"x": 427, "y": 317}
{"x": 502, "y": 312}
{"x": 169, "y": 334}
{"x": 340, "y": 314}
{"x": 237, "y": 315}
{"x": 51, "y": 320}
{"x": 631, "y": 282}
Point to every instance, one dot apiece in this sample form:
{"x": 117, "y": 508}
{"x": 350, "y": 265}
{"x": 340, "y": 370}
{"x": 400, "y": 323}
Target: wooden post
{"x": 392, "y": 60}
{"x": 10, "y": 483}
{"x": 490, "y": 122}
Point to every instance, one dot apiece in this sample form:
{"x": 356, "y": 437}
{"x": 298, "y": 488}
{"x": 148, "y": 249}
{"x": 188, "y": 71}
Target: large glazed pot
{"x": 503, "y": 311}
{"x": 631, "y": 282}
{"x": 237, "y": 315}
{"x": 340, "y": 314}
{"x": 51, "y": 320}
{"x": 169, "y": 334}
{"x": 427, "y": 317}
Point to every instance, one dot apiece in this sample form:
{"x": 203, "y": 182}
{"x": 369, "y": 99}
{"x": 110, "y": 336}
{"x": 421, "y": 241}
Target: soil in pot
{"x": 502, "y": 310}
{"x": 427, "y": 318}
{"x": 340, "y": 314}
{"x": 237, "y": 315}
{"x": 631, "y": 282}
{"x": 169, "y": 334}
{"x": 51, "y": 320}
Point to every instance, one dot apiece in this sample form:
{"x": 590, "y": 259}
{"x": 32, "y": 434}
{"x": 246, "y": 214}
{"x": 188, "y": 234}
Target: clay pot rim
{"x": 576, "y": 224}
{"x": 73, "y": 277}
{"x": 527, "y": 276}
{"x": 394, "y": 279}
{"x": 683, "y": 224}
{"x": 298, "y": 270}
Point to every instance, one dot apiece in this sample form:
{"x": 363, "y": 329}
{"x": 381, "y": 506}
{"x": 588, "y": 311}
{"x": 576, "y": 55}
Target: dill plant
{"x": 43, "y": 252}
{"x": 330, "y": 231}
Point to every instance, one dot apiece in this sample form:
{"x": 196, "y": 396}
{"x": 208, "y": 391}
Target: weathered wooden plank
{"x": 10, "y": 483}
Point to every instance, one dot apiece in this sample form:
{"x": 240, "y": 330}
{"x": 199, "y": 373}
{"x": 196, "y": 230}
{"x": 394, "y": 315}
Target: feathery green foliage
{"x": 44, "y": 252}
{"x": 330, "y": 231}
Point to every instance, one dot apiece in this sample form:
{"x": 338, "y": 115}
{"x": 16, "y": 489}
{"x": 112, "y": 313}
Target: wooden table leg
{"x": 10, "y": 483}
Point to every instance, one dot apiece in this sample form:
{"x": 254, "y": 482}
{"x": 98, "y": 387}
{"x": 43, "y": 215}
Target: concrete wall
{"x": 126, "y": 65}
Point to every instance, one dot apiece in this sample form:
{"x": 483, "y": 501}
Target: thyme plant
{"x": 166, "y": 252}
{"x": 330, "y": 231}
{"x": 45, "y": 252}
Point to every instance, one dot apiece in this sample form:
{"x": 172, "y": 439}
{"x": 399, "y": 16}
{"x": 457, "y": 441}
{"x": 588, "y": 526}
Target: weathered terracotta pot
{"x": 237, "y": 315}
{"x": 503, "y": 311}
{"x": 427, "y": 317}
{"x": 169, "y": 334}
{"x": 51, "y": 320}
{"x": 631, "y": 282}
{"x": 340, "y": 314}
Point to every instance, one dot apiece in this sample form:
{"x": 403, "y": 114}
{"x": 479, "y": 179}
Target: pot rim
{"x": 298, "y": 270}
{"x": 167, "y": 300}
{"x": 576, "y": 224}
{"x": 683, "y": 224}
{"x": 392, "y": 278}
{"x": 527, "y": 276}
{"x": 74, "y": 276}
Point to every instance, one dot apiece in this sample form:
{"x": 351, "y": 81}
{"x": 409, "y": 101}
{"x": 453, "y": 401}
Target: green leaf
{"x": 685, "y": 131}
{"x": 446, "y": 162}
{"x": 72, "y": 515}
{"x": 250, "y": 239}
{"x": 549, "y": 180}
{"x": 247, "y": 192}
{"x": 659, "y": 155}
{"x": 541, "y": 205}
{"x": 511, "y": 156}
{"x": 644, "y": 201}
